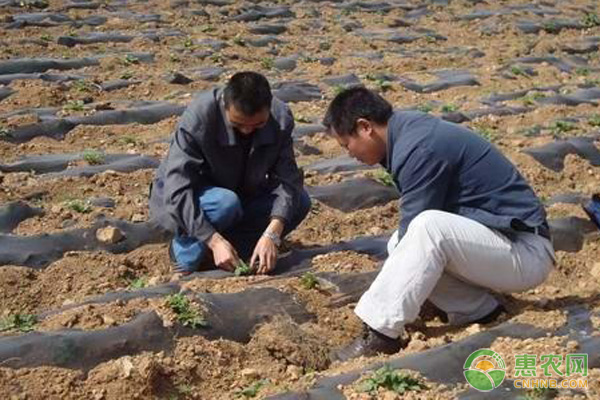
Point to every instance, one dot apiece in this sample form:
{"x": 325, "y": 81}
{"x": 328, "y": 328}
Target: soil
{"x": 282, "y": 354}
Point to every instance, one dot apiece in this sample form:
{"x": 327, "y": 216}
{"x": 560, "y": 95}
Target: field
{"x": 90, "y": 92}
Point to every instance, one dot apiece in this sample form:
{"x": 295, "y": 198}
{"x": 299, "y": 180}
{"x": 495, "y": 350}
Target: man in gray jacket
{"x": 230, "y": 183}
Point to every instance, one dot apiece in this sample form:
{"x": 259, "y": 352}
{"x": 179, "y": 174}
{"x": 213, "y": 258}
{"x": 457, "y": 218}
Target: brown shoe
{"x": 369, "y": 344}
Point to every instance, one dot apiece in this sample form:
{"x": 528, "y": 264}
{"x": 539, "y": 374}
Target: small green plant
{"x": 19, "y": 322}
{"x": 129, "y": 139}
{"x": 384, "y": 177}
{"x": 449, "y": 108}
{"x": 309, "y": 281}
{"x": 216, "y": 58}
{"x": 239, "y": 40}
{"x": 309, "y": 59}
{"x": 302, "y": 119}
{"x": 390, "y": 379}
{"x": 559, "y": 127}
{"x": 186, "y": 314}
{"x": 582, "y": 71}
{"x": 4, "y": 132}
{"x": 530, "y": 99}
{"x": 429, "y": 38}
{"x": 383, "y": 85}
{"x": 82, "y": 207}
{"x": 590, "y": 20}
{"x": 518, "y": 70}
{"x": 130, "y": 59}
{"x": 252, "y": 390}
{"x": 138, "y": 283}
{"x": 426, "y": 108}
{"x": 207, "y": 28}
{"x": 40, "y": 4}
{"x": 46, "y": 38}
{"x": 267, "y": 62}
{"x": 486, "y": 133}
{"x": 189, "y": 44}
{"x": 243, "y": 269}
{"x": 126, "y": 75}
{"x": 74, "y": 105}
{"x": 337, "y": 89}
{"x": 174, "y": 58}
{"x": 539, "y": 394}
{"x": 81, "y": 85}
{"x": 551, "y": 27}
{"x": 594, "y": 120}
{"x": 325, "y": 46}
{"x": 93, "y": 157}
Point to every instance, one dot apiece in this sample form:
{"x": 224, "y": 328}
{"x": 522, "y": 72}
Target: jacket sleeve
{"x": 286, "y": 172}
{"x": 184, "y": 177}
{"x": 424, "y": 180}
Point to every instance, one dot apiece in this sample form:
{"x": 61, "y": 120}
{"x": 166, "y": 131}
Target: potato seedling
{"x": 390, "y": 379}
{"x": 19, "y": 322}
{"x": 187, "y": 315}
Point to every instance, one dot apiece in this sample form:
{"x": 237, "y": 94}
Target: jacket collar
{"x": 264, "y": 136}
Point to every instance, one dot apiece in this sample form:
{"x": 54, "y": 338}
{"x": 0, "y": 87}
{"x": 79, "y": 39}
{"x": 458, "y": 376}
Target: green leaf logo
{"x": 485, "y": 374}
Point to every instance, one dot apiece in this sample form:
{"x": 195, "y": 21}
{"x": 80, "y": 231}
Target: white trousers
{"x": 456, "y": 263}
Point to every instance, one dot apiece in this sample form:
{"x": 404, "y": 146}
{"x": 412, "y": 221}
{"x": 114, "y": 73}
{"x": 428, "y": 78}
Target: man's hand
{"x": 224, "y": 254}
{"x": 265, "y": 253}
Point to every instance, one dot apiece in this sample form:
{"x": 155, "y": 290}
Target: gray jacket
{"x": 205, "y": 152}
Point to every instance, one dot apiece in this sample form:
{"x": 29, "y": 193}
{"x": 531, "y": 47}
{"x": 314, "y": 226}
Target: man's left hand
{"x": 265, "y": 253}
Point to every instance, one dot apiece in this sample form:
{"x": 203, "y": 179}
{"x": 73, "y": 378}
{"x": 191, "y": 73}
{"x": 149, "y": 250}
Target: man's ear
{"x": 364, "y": 127}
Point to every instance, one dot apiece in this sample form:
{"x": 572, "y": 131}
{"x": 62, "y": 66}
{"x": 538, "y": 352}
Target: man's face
{"x": 246, "y": 124}
{"x": 362, "y": 144}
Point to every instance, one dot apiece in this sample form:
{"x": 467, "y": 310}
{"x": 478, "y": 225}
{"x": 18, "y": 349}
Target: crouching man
{"x": 229, "y": 186}
{"x": 470, "y": 224}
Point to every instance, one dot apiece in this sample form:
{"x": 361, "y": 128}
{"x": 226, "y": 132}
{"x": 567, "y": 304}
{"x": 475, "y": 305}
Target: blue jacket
{"x": 444, "y": 166}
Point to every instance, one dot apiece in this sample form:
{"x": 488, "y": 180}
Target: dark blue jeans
{"x": 241, "y": 222}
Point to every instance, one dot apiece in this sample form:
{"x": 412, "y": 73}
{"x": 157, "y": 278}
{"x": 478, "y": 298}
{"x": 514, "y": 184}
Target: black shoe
{"x": 369, "y": 344}
{"x": 491, "y": 317}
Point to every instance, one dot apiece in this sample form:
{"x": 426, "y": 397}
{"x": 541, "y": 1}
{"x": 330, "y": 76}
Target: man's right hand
{"x": 224, "y": 253}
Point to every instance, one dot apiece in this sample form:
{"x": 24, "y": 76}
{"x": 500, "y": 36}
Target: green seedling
{"x": 81, "y": 85}
{"x": 309, "y": 59}
{"x": 390, "y": 379}
{"x": 189, "y": 43}
{"x": 582, "y": 71}
{"x": 74, "y": 105}
{"x": 449, "y": 108}
{"x": 243, "y": 269}
{"x": 252, "y": 390}
{"x": 384, "y": 177}
{"x": 207, "y": 28}
{"x": 130, "y": 59}
{"x": 539, "y": 394}
{"x": 267, "y": 63}
{"x": 40, "y": 4}
{"x": 591, "y": 20}
{"x": 551, "y": 27}
{"x": 426, "y": 108}
{"x": 129, "y": 139}
{"x": 46, "y": 38}
{"x": 530, "y": 99}
{"x": 138, "y": 283}
{"x": 559, "y": 127}
{"x": 487, "y": 133}
{"x": 174, "y": 58}
{"x": 93, "y": 157}
{"x": 4, "y": 132}
{"x": 239, "y": 41}
{"x": 187, "y": 315}
{"x": 325, "y": 46}
{"x": 19, "y": 322}
{"x": 337, "y": 89}
{"x": 429, "y": 38}
{"x": 383, "y": 85}
{"x": 82, "y": 207}
{"x": 216, "y": 58}
{"x": 126, "y": 75}
{"x": 309, "y": 281}
{"x": 518, "y": 70}
{"x": 594, "y": 120}
{"x": 302, "y": 119}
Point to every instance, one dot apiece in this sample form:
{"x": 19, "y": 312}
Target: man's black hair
{"x": 352, "y": 104}
{"x": 249, "y": 92}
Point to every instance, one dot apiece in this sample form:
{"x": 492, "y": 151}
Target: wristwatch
{"x": 273, "y": 236}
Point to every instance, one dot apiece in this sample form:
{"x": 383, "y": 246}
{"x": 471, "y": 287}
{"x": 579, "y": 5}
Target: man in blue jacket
{"x": 470, "y": 224}
{"x": 230, "y": 186}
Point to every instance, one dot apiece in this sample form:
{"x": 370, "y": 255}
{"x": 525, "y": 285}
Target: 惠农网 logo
{"x": 485, "y": 370}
